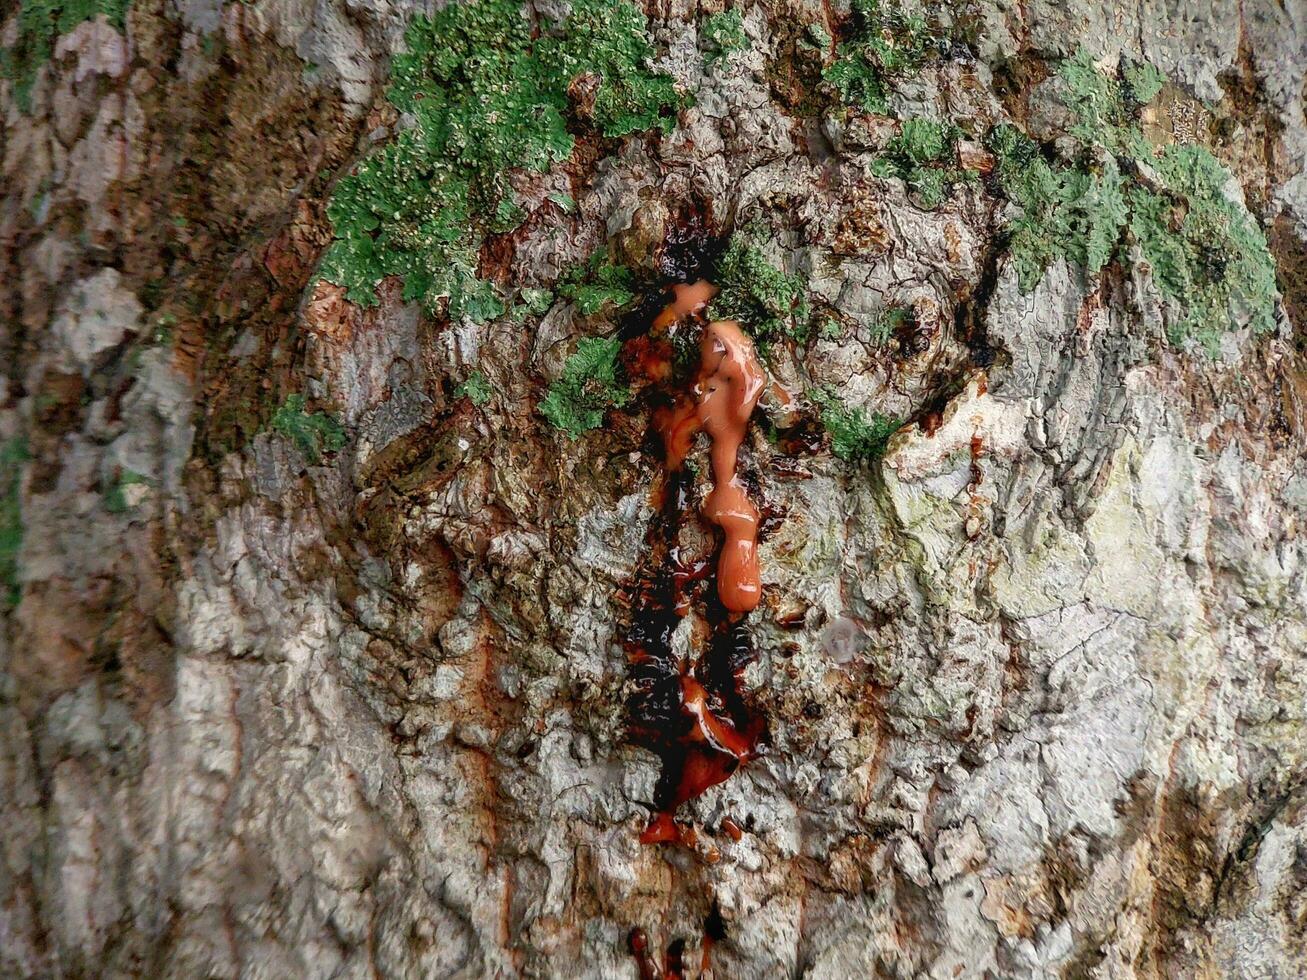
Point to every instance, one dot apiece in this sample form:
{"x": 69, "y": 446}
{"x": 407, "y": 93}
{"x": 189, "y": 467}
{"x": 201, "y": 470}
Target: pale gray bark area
{"x": 1045, "y": 712}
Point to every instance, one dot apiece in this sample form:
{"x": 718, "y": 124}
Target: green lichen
{"x": 1216, "y": 263}
{"x": 164, "y": 325}
{"x": 828, "y": 325}
{"x": 12, "y": 455}
{"x": 855, "y": 435}
{"x": 922, "y": 141}
{"x": 566, "y": 202}
{"x": 816, "y": 36}
{"x": 596, "y": 284}
{"x": 577, "y": 401}
{"x": 723, "y": 34}
{"x": 759, "y": 295}
{"x": 888, "y": 323}
{"x": 476, "y": 388}
{"x": 1143, "y": 80}
{"x": 115, "y": 498}
{"x": 1112, "y": 196}
{"x": 1105, "y": 110}
{"x": 40, "y": 23}
{"x": 312, "y": 434}
{"x": 530, "y": 302}
{"x": 1067, "y": 210}
{"x": 487, "y": 92}
{"x": 885, "y": 42}
{"x": 924, "y": 156}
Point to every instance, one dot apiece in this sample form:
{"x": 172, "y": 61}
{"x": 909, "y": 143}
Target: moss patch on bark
{"x": 485, "y": 91}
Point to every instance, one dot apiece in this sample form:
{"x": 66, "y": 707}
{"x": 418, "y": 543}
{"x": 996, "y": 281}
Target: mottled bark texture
{"x": 310, "y": 652}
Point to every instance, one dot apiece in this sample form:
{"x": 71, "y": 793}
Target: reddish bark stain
{"x": 674, "y": 961}
{"x": 804, "y": 438}
{"x": 783, "y": 397}
{"x": 714, "y": 931}
{"x": 638, "y": 943}
{"x": 705, "y": 959}
{"x": 977, "y": 450}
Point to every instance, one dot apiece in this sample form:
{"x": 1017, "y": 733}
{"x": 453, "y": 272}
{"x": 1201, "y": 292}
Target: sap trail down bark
{"x": 315, "y": 633}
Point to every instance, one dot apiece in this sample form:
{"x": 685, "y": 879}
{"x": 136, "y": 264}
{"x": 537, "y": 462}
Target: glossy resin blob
{"x": 691, "y": 709}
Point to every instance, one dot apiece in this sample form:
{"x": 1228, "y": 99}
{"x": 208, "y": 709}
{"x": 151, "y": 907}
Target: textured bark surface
{"x": 1035, "y": 682}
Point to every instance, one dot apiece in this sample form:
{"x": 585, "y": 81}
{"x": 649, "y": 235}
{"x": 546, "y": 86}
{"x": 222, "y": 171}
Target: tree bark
{"x": 318, "y": 659}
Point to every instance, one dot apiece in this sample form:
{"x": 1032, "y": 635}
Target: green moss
{"x": 855, "y": 435}
{"x": 885, "y": 42}
{"x": 759, "y": 295}
{"x": 311, "y": 434}
{"x": 476, "y": 388}
{"x": 829, "y": 326}
{"x": 722, "y": 34}
{"x": 888, "y": 323}
{"x": 922, "y": 141}
{"x": 163, "y": 329}
{"x": 40, "y": 23}
{"x": 930, "y": 186}
{"x": 596, "y": 284}
{"x": 924, "y": 156}
{"x": 1205, "y": 252}
{"x": 115, "y": 498}
{"x": 607, "y": 40}
{"x": 12, "y": 456}
{"x": 488, "y": 93}
{"x": 576, "y": 403}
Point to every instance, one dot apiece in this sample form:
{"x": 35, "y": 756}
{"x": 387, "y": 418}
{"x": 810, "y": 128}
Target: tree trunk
{"x": 358, "y": 619}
